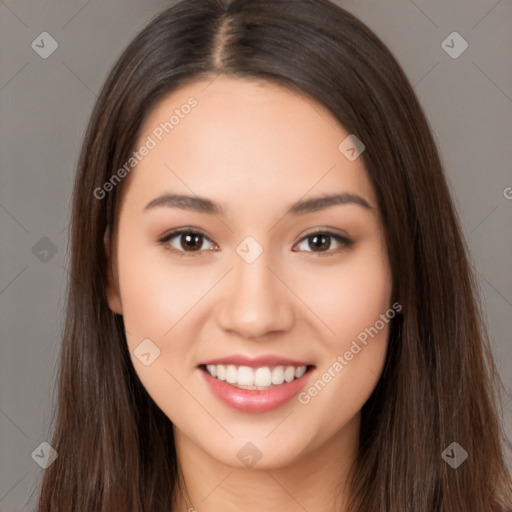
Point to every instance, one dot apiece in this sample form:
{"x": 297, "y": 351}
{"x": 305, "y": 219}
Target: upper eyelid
{"x": 182, "y": 231}
{"x": 327, "y": 231}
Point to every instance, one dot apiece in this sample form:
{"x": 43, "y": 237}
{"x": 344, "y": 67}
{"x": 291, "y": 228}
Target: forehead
{"x": 245, "y": 141}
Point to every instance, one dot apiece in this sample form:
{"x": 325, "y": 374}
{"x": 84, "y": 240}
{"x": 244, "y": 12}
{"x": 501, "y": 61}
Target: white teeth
{"x": 263, "y": 377}
{"x": 245, "y": 376}
{"x": 255, "y": 378}
{"x": 289, "y": 373}
{"x": 278, "y": 375}
{"x": 300, "y": 371}
{"x": 221, "y": 372}
{"x": 231, "y": 374}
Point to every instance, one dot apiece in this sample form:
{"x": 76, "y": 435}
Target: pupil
{"x": 192, "y": 241}
{"x": 320, "y": 241}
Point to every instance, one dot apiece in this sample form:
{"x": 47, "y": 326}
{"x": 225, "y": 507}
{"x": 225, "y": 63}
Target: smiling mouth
{"x": 260, "y": 378}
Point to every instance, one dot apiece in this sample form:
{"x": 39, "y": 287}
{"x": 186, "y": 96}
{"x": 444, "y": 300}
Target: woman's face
{"x": 247, "y": 288}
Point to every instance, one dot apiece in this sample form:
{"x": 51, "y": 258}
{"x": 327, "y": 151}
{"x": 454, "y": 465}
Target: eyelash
{"x": 345, "y": 242}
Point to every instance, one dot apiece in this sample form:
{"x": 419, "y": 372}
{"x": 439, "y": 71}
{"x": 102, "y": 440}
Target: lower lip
{"x": 254, "y": 400}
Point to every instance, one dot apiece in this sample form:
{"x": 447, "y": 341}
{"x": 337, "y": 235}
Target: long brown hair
{"x": 440, "y": 385}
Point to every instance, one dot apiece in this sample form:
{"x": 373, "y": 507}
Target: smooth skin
{"x": 253, "y": 148}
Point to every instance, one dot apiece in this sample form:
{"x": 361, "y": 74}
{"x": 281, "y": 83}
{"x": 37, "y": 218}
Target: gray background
{"x": 44, "y": 107}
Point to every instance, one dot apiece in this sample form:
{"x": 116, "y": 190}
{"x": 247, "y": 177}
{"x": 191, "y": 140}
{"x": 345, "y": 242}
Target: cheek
{"x": 157, "y": 298}
{"x": 156, "y": 294}
{"x": 354, "y": 355}
{"x": 349, "y": 297}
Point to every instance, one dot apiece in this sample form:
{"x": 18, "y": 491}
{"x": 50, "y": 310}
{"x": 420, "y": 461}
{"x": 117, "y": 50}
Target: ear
{"x": 112, "y": 288}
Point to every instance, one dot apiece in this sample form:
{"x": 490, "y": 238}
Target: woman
{"x": 271, "y": 304}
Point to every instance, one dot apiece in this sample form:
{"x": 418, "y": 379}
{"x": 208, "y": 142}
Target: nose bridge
{"x": 254, "y": 279}
{"x": 255, "y": 301}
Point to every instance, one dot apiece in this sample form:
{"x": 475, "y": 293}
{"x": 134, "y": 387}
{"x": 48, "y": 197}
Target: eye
{"x": 188, "y": 241}
{"x": 321, "y": 242}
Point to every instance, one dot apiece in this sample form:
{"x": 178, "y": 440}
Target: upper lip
{"x": 256, "y": 362}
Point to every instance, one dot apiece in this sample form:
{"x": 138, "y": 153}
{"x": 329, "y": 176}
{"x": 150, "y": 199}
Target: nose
{"x": 255, "y": 301}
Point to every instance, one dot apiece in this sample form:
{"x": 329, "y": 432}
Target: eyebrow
{"x": 302, "y": 207}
